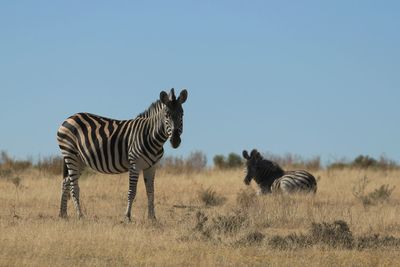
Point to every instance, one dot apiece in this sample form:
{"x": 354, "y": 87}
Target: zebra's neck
{"x": 157, "y": 123}
{"x": 152, "y": 133}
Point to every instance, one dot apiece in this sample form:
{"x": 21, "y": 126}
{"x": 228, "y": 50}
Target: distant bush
{"x": 51, "y": 165}
{"x": 219, "y": 161}
{"x": 365, "y": 162}
{"x": 231, "y": 162}
{"x": 195, "y": 162}
{"x": 293, "y": 161}
{"x": 9, "y": 165}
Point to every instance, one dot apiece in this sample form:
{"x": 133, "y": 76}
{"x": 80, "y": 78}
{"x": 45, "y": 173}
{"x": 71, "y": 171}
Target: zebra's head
{"x": 263, "y": 171}
{"x": 173, "y": 115}
{"x": 252, "y": 162}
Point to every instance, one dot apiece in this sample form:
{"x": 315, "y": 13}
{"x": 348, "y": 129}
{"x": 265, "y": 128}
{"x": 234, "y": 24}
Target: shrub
{"x": 210, "y": 229}
{"x": 234, "y": 161}
{"x": 364, "y": 162}
{"x": 246, "y": 198}
{"x": 378, "y": 195}
{"x": 375, "y": 241}
{"x": 381, "y": 194}
{"x": 231, "y": 162}
{"x": 219, "y": 161}
{"x": 336, "y": 234}
{"x": 359, "y": 190}
{"x": 250, "y": 239}
{"x": 210, "y": 198}
{"x": 228, "y": 224}
{"x": 291, "y": 241}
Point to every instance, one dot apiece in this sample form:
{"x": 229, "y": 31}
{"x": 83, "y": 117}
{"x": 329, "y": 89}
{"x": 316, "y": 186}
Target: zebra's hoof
{"x": 63, "y": 215}
{"x": 127, "y": 219}
{"x": 152, "y": 219}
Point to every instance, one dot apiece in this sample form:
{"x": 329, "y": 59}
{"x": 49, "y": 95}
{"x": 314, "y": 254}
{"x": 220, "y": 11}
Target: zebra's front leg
{"x": 149, "y": 183}
{"x": 133, "y": 178}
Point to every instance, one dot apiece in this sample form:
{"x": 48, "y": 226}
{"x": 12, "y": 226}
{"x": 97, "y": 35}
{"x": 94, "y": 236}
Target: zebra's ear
{"x": 183, "y": 96}
{"x": 164, "y": 98}
{"x": 245, "y": 154}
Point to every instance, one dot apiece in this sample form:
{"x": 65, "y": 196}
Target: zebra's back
{"x": 295, "y": 181}
{"x": 101, "y": 143}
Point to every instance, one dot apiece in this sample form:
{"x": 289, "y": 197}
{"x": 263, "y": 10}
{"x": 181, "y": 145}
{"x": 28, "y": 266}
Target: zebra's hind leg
{"x": 74, "y": 188}
{"x": 65, "y": 195}
{"x": 73, "y": 166}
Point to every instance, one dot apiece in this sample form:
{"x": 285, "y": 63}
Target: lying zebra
{"x": 270, "y": 177}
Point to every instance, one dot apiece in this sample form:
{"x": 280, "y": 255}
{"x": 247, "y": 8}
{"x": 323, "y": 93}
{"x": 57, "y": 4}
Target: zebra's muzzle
{"x": 175, "y": 139}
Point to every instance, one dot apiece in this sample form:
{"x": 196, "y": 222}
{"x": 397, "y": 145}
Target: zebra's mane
{"x": 153, "y": 109}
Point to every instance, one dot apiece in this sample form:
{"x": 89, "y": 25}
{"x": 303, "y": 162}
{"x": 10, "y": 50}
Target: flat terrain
{"x": 204, "y": 219}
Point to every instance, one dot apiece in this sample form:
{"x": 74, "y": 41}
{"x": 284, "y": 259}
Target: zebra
{"x": 270, "y": 177}
{"x": 116, "y": 146}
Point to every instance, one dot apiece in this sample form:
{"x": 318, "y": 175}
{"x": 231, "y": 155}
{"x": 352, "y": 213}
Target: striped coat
{"x": 295, "y": 181}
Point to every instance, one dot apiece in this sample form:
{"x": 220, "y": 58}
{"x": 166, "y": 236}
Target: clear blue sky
{"x": 305, "y": 77}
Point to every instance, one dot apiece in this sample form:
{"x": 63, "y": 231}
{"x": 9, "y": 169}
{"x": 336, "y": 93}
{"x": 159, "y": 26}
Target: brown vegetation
{"x": 205, "y": 218}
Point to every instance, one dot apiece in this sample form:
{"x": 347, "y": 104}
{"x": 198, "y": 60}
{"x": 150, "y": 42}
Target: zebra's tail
{"x": 65, "y": 169}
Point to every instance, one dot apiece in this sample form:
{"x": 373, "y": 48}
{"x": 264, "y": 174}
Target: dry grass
{"x": 244, "y": 230}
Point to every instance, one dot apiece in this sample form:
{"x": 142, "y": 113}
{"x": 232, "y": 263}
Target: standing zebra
{"x": 113, "y": 146}
{"x": 270, "y": 177}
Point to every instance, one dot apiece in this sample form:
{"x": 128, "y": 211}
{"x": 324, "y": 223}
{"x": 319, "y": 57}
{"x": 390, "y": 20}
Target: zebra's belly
{"x": 140, "y": 164}
{"x": 106, "y": 165}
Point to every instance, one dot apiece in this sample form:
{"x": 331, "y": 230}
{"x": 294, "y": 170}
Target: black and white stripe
{"x": 117, "y": 146}
{"x": 270, "y": 177}
{"x": 295, "y": 181}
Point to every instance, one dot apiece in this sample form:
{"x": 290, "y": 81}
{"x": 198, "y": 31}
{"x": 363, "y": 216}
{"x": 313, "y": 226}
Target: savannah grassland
{"x": 236, "y": 228}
